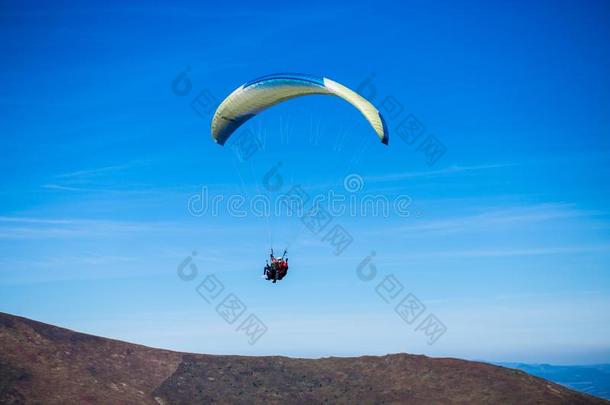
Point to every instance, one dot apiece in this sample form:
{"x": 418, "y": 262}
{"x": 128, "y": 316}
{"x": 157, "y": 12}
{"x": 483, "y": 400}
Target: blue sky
{"x": 508, "y": 238}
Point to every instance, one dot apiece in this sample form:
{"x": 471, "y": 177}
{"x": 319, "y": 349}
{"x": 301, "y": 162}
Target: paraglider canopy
{"x": 257, "y": 95}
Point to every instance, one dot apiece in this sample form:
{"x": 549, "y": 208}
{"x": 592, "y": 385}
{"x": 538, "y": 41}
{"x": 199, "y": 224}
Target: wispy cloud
{"x": 494, "y": 252}
{"x": 498, "y": 217}
{"x": 99, "y": 170}
{"x": 543, "y": 295}
{"x": 65, "y": 261}
{"x": 64, "y": 188}
{"x": 95, "y": 179}
{"x": 35, "y": 227}
{"x": 432, "y": 173}
{"x": 25, "y": 227}
{"x": 35, "y": 220}
{"x": 536, "y": 251}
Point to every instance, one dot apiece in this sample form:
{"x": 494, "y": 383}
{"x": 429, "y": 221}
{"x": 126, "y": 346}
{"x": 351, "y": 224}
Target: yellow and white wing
{"x": 257, "y": 95}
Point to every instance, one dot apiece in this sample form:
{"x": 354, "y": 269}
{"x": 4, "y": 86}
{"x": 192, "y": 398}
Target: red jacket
{"x": 280, "y": 263}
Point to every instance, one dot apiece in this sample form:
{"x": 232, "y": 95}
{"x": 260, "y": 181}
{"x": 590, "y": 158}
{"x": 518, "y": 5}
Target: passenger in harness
{"x": 276, "y": 268}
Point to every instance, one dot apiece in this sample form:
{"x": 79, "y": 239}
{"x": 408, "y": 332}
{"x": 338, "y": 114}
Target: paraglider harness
{"x": 276, "y": 268}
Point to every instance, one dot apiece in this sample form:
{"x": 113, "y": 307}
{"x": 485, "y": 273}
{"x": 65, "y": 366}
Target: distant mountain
{"x": 594, "y": 379}
{"x": 44, "y": 364}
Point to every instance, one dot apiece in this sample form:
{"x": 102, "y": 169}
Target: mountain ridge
{"x": 42, "y": 363}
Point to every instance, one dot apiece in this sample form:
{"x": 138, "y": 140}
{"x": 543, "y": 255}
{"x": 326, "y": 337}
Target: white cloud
{"x": 492, "y": 219}
{"x": 432, "y": 173}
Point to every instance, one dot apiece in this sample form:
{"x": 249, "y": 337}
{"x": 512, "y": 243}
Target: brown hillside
{"x": 44, "y": 364}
